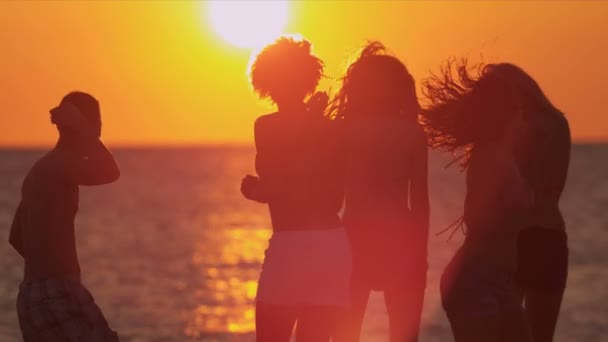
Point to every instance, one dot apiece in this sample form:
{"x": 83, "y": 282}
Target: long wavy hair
{"x": 376, "y": 83}
{"x": 286, "y": 70}
{"x": 471, "y": 105}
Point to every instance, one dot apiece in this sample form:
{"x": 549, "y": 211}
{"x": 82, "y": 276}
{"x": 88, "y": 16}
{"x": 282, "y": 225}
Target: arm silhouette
{"x": 97, "y": 165}
{"x": 97, "y": 168}
{"x": 251, "y": 186}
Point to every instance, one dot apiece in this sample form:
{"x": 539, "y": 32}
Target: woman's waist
{"x": 493, "y": 227}
{"x": 495, "y": 252}
{"x": 381, "y": 217}
{"x": 291, "y": 243}
{"x": 547, "y": 218}
{"x": 303, "y": 221}
{"x": 468, "y": 266}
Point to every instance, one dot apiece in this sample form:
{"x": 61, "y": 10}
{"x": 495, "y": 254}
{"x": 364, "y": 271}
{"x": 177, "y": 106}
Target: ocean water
{"x": 172, "y": 251}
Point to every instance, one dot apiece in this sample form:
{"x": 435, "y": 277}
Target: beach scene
{"x": 173, "y": 251}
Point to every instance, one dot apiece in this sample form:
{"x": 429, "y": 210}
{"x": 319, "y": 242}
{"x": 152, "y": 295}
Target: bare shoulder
{"x": 264, "y": 127}
{"x": 266, "y": 121}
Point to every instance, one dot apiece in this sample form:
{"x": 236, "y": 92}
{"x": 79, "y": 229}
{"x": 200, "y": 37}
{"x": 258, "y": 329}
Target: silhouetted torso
{"x": 46, "y": 217}
{"x": 299, "y": 167}
{"x": 545, "y": 158}
{"x": 378, "y": 169}
{"x": 389, "y": 245}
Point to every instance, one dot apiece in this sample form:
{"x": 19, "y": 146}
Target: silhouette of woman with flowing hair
{"x": 544, "y": 156}
{"x": 306, "y": 272}
{"x": 500, "y": 127}
{"x": 386, "y": 195}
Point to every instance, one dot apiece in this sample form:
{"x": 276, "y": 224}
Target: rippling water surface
{"x": 172, "y": 251}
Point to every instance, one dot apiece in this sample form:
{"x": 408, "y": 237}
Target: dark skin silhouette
{"x": 43, "y": 227}
{"x": 289, "y": 150}
{"x": 519, "y": 249}
{"x": 492, "y": 214}
{"x": 546, "y": 160}
{"x": 299, "y": 178}
{"x": 52, "y": 304}
{"x": 386, "y": 194}
{"x": 387, "y": 212}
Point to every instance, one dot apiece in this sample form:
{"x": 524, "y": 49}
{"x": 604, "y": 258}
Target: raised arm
{"x": 97, "y": 165}
{"x": 97, "y": 168}
{"x": 15, "y": 233}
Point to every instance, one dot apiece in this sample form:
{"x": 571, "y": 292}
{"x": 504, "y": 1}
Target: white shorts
{"x": 307, "y": 267}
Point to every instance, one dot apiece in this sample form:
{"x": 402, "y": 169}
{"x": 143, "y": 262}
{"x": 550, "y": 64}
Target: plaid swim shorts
{"x": 61, "y": 309}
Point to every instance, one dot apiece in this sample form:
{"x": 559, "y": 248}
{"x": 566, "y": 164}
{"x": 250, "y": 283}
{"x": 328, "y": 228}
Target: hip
{"x": 478, "y": 285}
{"x": 311, "y": 267}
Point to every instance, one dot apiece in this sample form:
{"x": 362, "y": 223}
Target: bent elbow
{"x": 114, "y": 175}
{"x": 16, "y": 246}
{"x": 107, "y": 177}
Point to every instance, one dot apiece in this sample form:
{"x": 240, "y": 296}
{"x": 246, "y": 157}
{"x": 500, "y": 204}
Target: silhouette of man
{"x": 52, "y": 304}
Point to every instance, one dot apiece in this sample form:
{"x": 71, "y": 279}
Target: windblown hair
{"x": 470, "y": 105}
{"x": 286, "y": 69}
{"x": 377, "y": 83}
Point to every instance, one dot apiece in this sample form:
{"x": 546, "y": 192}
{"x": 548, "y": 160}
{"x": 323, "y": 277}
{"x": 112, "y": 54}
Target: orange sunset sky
{"x": 164, "y": 76}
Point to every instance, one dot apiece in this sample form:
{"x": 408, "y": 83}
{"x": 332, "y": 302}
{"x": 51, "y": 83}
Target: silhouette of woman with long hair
{"x": 486, "y": 119}
{"x": 544, "y": 155}
{"x": 306, "y": 272}
{"x": 386, "y": 194}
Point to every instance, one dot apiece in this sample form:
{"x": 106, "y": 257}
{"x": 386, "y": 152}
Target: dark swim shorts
{"x": 542, "y": 259}
{"x": 61, "y": 310}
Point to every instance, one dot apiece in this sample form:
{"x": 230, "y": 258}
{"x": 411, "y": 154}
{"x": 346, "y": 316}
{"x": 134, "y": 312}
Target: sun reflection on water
{"x": 229, "y": 262}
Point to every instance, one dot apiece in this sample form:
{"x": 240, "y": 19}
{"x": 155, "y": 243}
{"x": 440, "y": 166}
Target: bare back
{"x": 384, "y": 157}
{"x": 298, "y": 161}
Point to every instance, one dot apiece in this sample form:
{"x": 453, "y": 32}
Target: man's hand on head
{"x": 68, "y": 115}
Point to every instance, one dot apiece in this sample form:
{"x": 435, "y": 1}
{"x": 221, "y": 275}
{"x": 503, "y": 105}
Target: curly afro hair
{"x": 286, "y": 70}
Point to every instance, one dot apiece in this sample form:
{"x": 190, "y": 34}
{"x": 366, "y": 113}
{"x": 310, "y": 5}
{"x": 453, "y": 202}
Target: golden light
{"x": 248, "y": 24}
{"x": 232, "y": 285}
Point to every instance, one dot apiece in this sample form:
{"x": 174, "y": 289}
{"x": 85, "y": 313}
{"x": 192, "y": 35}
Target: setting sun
{"x": 248, "y": 24}
{"x": 181, "y": 170}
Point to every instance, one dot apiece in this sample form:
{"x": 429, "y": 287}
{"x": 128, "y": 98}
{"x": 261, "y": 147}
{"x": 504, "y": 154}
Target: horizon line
{"x": 178, "y": 145}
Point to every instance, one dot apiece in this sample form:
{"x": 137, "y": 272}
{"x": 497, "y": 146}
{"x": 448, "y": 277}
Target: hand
{"x": 68, "y": 115}
{"x": 249, "y": 186}
{"x": 318, "y": 102}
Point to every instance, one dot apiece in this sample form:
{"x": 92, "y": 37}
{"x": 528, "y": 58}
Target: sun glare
{"x": 248, "y": 24}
